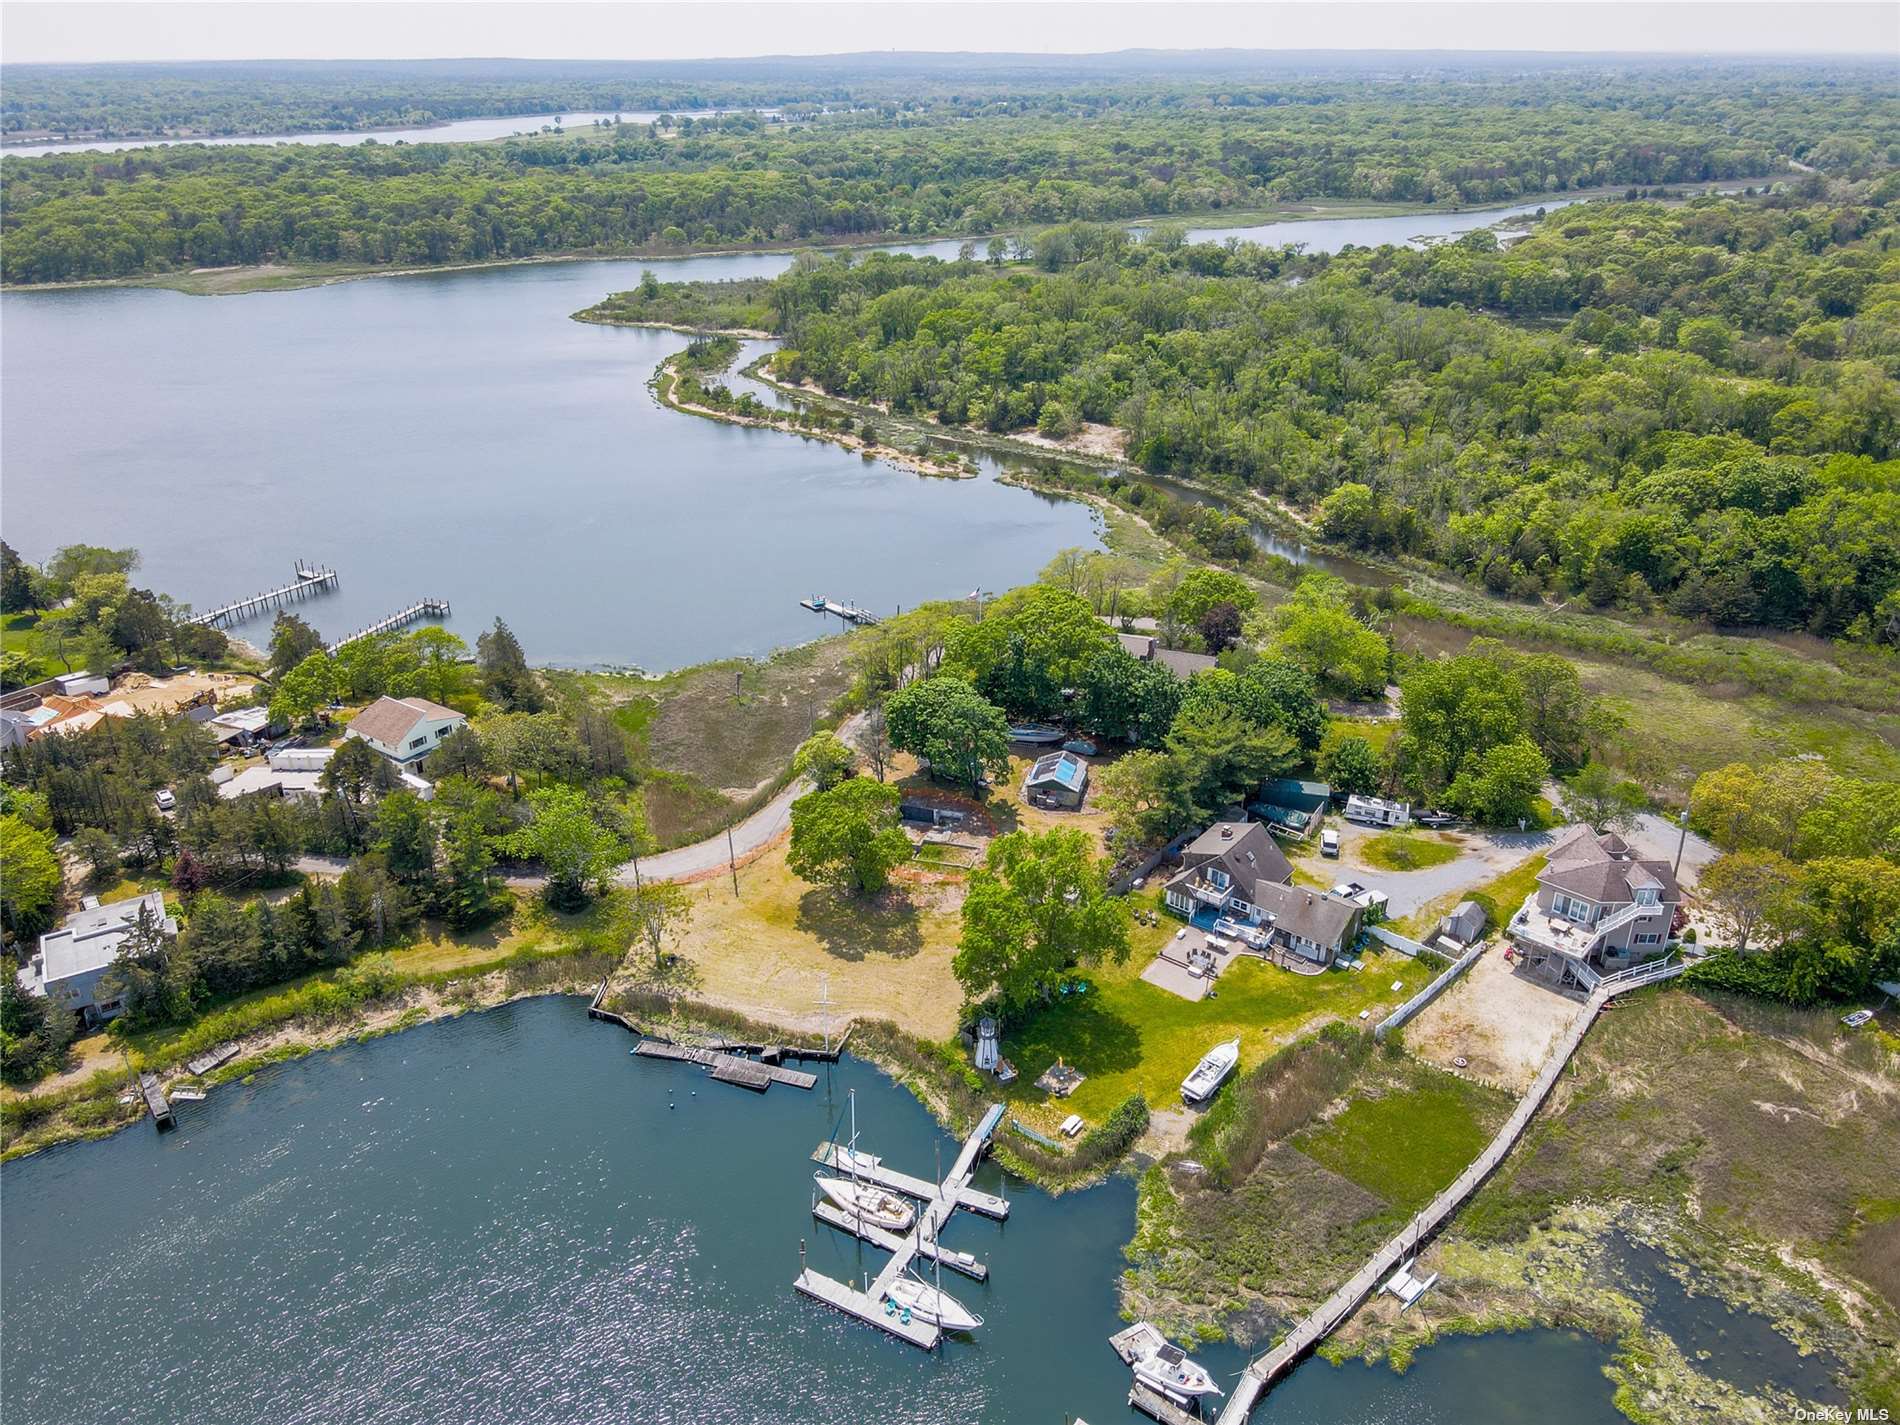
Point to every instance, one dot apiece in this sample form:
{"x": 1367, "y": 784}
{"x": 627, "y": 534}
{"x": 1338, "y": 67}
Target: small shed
{"x": 1465, "y": 923}
{"x": 1060, "y": 779}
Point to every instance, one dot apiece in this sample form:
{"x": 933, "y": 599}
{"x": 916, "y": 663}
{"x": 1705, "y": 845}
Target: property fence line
{"x": 1431, "y": 992}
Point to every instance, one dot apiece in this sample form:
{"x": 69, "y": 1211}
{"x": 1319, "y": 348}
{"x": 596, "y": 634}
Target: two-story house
{"x": 1597, "y": 908}
{"x": 405, "y": 730}
{"x": 1235, "y": 881}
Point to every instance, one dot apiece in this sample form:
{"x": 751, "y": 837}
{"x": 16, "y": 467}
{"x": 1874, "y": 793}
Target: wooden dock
{"x": 311, "y": 579}
{"x": 850, "y": 613}
{"x": 832, "y": 1215}
{"x": 420, "y": 609}
{"x": 941, "y": 1202}
{"x": 1153, "y": 1403}
{"x": 1265, "y": 1369}
{"x": 155, "y": 1102}
{"x": 727, "y": 1068}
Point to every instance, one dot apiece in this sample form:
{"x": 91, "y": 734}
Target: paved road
{"x": 1487, "y": 855}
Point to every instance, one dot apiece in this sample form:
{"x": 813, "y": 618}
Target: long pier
{"x": 941, "y": 1201}
{"x": 311, "y": 579}
{"x": 1265, "y": 1369}
{"x": 422, "y": 608}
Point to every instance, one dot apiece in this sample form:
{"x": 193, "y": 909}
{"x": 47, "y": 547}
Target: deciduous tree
{"x": 1038, "y": 905}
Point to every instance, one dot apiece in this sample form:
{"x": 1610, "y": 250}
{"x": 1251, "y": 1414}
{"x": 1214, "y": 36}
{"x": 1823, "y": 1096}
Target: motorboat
{"x": 927, "y": 1302}
{"x": 1175, "y": 1374}
{"x": 1160, "y": 1366}
{"x": 869, "y": 1202}
{"x": 1033, "y": 732}
{"x": 1211, "y": 1072}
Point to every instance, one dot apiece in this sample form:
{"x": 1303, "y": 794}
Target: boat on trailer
{"x": 932, "y": 1304}
{"x": 1211, "y": 1072}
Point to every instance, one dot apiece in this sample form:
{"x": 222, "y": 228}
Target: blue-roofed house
{"x": 1060, "y": 779}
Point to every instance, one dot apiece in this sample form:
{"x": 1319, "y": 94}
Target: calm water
{"x": 500, "y": 1219}
{"x": 457, "y": 131}
{"x": 1332, "y": 234}
{"x": 455, "y": 435}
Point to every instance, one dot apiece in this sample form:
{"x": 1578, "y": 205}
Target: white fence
{"x": 1431, "y": 992}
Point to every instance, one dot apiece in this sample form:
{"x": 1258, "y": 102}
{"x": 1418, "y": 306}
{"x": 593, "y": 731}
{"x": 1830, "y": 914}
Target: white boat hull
{"x": 872, "y": 1204}
{"x": 925, "y": 1301}
{"x": 1210, "y": 1073}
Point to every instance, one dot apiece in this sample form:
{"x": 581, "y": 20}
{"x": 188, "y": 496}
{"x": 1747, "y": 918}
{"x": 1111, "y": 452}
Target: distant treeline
{"x": 742, "y": 181}
{"x": 263, "y": 97}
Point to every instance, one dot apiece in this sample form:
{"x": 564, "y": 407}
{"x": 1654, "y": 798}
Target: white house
{"x": 269, "y": 781}
{"x": 70, "y": 961}
{"x": 405, "y": 730}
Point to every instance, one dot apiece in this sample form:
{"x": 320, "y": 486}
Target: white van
{"x": 1329, "y": 843}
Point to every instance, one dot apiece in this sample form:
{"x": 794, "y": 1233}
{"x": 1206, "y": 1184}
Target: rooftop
{"x": 389, "y": 720}
{"x": 1061, "y": 767}
{"x": 90, "y": 938}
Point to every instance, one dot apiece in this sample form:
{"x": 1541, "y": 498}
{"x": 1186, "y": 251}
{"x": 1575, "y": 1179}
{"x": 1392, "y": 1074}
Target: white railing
{"x": 1666, "y": 968}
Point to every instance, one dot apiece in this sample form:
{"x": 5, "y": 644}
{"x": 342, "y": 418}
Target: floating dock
{"x": 727, "y": 1068}
{"x": 941, "y": 1201}
{"x": 1153, "y": 1403}
{"x": 831, "y": 1155}
{"x": 311, "y": 579}
{"x": 832, "y": 1215}
{"x": 155, "y": 1102}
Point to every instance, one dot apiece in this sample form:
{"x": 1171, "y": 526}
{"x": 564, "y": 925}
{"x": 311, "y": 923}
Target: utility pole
{"x": 732, "y": 863}
{"x": 1682, "y": 839}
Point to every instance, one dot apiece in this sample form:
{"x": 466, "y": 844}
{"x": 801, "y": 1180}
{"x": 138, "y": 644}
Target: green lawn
{"x": 1408, "y": 851}
{"x": 1413, "y": 1140}
{"x": 1128, "y": 1036}
{"x": 1500, "y": 898}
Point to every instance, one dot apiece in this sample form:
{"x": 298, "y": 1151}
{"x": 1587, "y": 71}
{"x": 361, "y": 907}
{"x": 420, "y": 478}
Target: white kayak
{"x": 1211, "y": 1072}
{"x": 873, "y": 1204}
{"x": 925, "y": 1301}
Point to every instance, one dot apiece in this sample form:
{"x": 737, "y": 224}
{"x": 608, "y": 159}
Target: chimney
{"x": 1227, "y": 831}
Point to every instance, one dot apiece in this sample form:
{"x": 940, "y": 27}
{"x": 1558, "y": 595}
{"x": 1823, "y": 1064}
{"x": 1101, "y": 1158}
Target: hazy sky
{"x": 36, "y": 30}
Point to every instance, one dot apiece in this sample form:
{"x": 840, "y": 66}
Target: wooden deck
{"x": 205, "y": 1063}
{"x": 1265, "y": 1369}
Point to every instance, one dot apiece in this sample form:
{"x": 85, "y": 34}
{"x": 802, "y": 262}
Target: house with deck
{"x": 405, "y": 730}
{"x": 70, "y": 961}
{"x": 1598, "y": 908}
{"x": 1236, "y": 883}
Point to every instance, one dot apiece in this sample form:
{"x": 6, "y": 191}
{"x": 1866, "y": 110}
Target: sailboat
{"x": 870, "y": 1203}
{"x": 865, "y": 1201}
{"x": 1211, "y": 1072}
{"x": 932, "y": 1304}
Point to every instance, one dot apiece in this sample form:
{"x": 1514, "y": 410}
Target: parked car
{"x": 166, "y": 801}
{"x": 1329, "y": 843}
